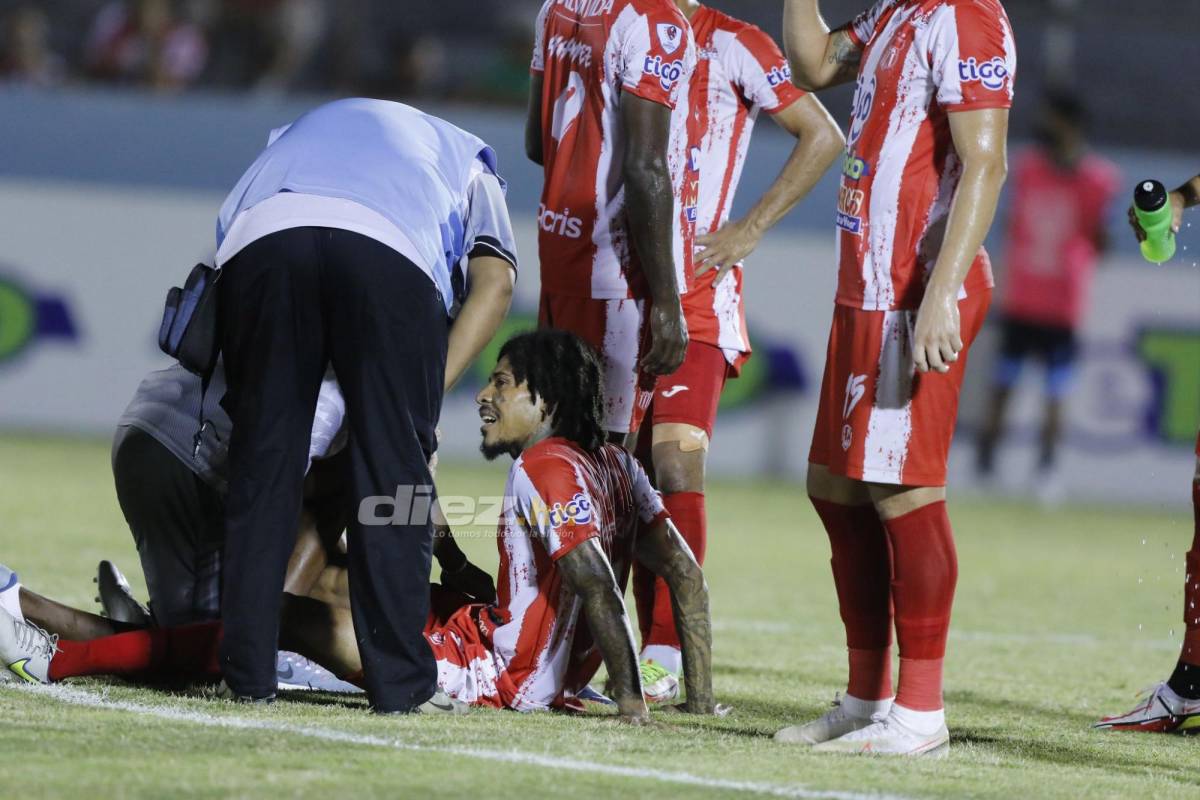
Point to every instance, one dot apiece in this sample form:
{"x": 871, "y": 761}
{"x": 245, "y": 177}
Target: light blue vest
{"x": 411, "y": 167}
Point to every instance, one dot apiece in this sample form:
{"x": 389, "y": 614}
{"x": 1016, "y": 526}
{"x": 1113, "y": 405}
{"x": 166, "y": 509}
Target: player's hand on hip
{"x": 725, "y": 248}
{"x": 937, "y": 340}
{"x": 668, "y": 339}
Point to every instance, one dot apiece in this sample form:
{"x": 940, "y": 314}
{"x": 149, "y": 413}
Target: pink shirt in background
{"x": 1056, "y": 218}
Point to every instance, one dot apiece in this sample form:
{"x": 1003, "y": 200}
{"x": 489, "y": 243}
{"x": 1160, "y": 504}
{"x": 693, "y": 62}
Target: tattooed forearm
{"x": 843, "y": 54}
{"x": 589, "y": 575}
{"x": 663, "y": 550}
{"x": 693, "y": 625}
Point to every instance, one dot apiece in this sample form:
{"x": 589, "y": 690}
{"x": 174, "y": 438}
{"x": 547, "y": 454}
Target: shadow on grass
{"x": 1008, "y": 706}
{"x": 1101, "y": 751}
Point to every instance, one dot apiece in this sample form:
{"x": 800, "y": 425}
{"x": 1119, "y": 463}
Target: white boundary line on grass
{"x": 86, "y": 699}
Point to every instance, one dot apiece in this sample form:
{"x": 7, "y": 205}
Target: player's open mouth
{"x": 488, "y": 416}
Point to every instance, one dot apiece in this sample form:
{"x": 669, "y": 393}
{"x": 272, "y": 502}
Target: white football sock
{"x": 922, "y": 723}
{"x": 10, "y": 592}
{"x": 865, "y": 709}
{"x": 667, "y": 657}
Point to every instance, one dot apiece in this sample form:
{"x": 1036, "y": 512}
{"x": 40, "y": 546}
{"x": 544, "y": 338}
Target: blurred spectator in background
{"x": 145, "y": 42}
{"x": 26, "y": 57}
{"x": 505, "y": 77}
{"x": 1062, "y": 195}
{"x": 267, "y": 44}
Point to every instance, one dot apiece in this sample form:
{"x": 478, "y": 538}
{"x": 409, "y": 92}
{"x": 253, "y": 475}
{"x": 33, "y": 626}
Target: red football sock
{"x": 186, "y": 650}
{"x": 688, "y": 513}
{"x": 356, "y": 677}
{"x": 862, "y": 574}
{"x": 925, "y": 570}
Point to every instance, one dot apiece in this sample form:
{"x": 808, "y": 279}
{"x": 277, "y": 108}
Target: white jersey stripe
{"x": 890, "y": 424}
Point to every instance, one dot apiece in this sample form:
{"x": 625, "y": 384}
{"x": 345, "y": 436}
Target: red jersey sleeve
{"x": 862, "y": 28}
{"x": 656, "y": 52}
{"x": 762, "y": 73}
{"x": 973, "y": 56}
{"x": 555, "y": 504}
{"x": 538, "y": 64}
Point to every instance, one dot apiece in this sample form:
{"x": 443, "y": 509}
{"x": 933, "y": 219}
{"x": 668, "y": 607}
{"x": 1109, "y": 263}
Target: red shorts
{"x": 619, "y": 332}
{"x": 691, "y": 394}
{"x": 879, "y": 420}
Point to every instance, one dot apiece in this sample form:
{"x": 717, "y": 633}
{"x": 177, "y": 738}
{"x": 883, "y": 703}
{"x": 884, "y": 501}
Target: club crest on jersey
{"x": 667, "y": 72}
{"x": 779, "y": 74}
{"x": 992, "y": 74}
{"x": 576, "y": 512}
{"x": 670, "y": 37}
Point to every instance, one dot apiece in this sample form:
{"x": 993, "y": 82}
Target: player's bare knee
{"x": 679, "y": 453}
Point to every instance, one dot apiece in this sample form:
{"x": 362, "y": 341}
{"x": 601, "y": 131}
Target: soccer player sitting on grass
{"x": 1173, "y": 706}
{"x": 576, "y": 513}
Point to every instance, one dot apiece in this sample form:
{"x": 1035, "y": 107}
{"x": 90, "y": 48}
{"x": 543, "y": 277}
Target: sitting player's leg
{"x": 1174, "y": 705}
{"x": 36, "y": 656}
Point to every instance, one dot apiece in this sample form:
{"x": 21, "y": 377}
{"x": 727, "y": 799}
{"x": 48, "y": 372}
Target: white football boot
{"x": 1158, "y": 710}
{"x": 25, "y": 649}
{"x": 658, "y": 684}
{"x": 888, "y": 737}
{"x": 848, "y": 714}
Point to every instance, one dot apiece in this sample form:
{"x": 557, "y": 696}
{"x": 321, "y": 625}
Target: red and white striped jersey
{"x": 740, "y": 71}
{"x": 589, "y": 52}
{"x": 557, "y": 497}
{"x": 921, "y": 61}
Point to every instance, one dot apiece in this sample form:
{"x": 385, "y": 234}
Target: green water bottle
{"x": 1153, "y": 210}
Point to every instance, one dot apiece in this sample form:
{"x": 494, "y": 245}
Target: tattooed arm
{"x": 589, "y": 575}
{"x": 820, "y": 58}
{"x": 663, "y": 551}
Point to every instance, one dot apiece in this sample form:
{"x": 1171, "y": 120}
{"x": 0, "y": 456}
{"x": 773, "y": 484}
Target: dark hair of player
{"x": 564, "y": 371}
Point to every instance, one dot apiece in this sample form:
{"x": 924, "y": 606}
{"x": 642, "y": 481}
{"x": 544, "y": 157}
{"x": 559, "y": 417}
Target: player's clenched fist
{"x": 668, "y": 339}
{"x": 937, "y": 339}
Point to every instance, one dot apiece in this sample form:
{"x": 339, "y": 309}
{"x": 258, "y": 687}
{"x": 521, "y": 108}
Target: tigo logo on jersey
{"x": 577, "y": 512}
{"x": 779, "y": 74}
{"x": 668, "y": 73}
{"x": 670, "y": 37}
{"x": 560, "y": 223}
{"x": 992, "y": 74}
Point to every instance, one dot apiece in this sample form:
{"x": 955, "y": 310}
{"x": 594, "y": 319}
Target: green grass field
{"x": 1060, "y": 617}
